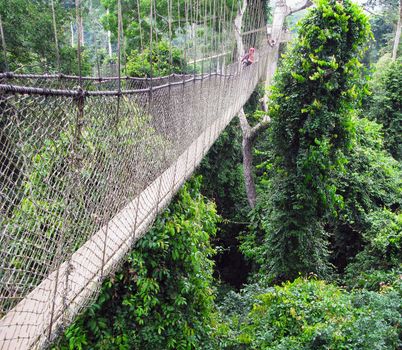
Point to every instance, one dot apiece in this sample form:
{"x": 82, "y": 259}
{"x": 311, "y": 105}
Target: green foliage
{"x": 311, "y": 104}
{"x": 381, "y": 259}
{"x": 69, "y": 61}
{"x": 165, "y": 60}
{"x": 234, "y": 309}
{"x": 382, "y": 26}
{"x": 312, "y": 314}
{"x": 385, "y": 105}
{"x": 222, "y": 172}
{"x": 221, "y": 169}
{"x": 137, "y": 26}
{"x": 162, "y": 298}
{"x": 370, "y": 184}
{"x": 30, "y": 42}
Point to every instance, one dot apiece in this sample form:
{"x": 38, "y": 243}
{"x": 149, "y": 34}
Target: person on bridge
{"x": 248, "y": 59}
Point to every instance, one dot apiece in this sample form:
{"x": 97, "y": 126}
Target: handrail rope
{"x": 28, "y": 90}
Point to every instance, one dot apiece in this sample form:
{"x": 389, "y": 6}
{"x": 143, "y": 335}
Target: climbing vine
{"x": 311, "y": 110}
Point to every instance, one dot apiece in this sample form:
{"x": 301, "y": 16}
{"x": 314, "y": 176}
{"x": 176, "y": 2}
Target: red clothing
{"x": 248, "y": 58}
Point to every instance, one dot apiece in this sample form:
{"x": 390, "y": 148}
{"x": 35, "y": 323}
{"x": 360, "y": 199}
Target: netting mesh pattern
{"x": 83, "y": 175}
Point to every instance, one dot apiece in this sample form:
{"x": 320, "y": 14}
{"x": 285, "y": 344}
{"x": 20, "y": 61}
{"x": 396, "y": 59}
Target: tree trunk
{"x": 281, "y": 11}
{"x": 398, "y": 33}
{"x": 3, "y": 44}
{"x": 247, "y": 144}
{"x": 109, "y": 39}
{"x": 82, "y": 32}
{"x": 250, "y": 133}
{"x": 247, "y": 151}
{"x": 72, "y": 34}
{"x": 56, "y": 41}
{"x": 247, "y": 148}
{"x": 238, "y": 22}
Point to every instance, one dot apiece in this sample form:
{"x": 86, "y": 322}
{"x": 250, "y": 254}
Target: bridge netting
{"x": 87, "y": 163}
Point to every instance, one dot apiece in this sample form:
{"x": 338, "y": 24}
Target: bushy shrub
{"x": 370, "y": 183}
{"x": 311, "y": 314}
{"x": 165, "y": 61}
{"x": 380, "y": 260}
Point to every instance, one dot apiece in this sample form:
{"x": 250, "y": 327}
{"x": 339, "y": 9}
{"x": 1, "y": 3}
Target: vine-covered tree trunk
{"x": 398, "y": 32}
{"x": 311, "y": 127}
{"x": 250, "y": 133}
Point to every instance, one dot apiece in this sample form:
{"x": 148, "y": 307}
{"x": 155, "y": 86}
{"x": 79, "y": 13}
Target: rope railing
{"x": 86, "y": 164}
{"x": 151, "y": 152}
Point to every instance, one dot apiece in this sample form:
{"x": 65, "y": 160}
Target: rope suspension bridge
{"x": 86, "y": 163}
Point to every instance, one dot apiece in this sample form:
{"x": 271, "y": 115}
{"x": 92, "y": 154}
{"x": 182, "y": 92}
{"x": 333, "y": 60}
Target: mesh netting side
{"x": 83, "y": 176}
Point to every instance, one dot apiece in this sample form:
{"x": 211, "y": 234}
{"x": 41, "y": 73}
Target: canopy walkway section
{"x": 86, "y": 164}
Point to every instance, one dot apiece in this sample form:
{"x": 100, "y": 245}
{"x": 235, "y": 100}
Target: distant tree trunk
{"x": 398, "y": 33}
{"x": 82, "y": 31}
{"x": 238, "y": 22}
{"x": 56, "y": 41}
{"x": 3, "y": 44}
{"x": 72, "y": 34}
{"x": 281, "y": 11}
{"x": 279, "y": 15}
{"x": 109, "y": 39}
{"x": 109, "y": 43}
{"x": 250, "y": 133}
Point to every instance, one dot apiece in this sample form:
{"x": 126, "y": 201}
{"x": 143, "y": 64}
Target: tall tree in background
{"x": 311, "y": 125}
{"x": 250, "y": 133}
{"x": 397, "y": 33}
{"x": 384, "y": 16}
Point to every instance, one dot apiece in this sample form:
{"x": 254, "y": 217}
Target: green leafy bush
{"x": 311, "y": 314}
{"x": 370, "y": 183}
{"x": 165, "y": 61}
{"x": 380, "y": 261}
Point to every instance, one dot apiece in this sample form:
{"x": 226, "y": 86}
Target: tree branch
{"x": 300, "y": 7}
{"x": 261, "y": 126}
{"x": 245, "y": 126}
